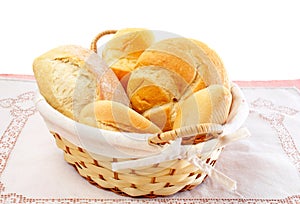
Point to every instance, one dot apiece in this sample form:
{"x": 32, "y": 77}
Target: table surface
{"x": 266, "y": 165}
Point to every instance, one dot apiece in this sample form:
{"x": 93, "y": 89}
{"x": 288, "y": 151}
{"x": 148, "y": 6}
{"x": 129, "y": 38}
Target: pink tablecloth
{"x": 266, "y": 165}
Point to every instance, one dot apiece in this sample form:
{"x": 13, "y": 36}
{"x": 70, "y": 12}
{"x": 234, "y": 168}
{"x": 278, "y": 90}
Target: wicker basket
{"x": 162, "y": 178}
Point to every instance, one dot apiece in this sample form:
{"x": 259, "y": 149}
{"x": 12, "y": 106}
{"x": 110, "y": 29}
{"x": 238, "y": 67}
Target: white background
{"x": 257, "y": 40}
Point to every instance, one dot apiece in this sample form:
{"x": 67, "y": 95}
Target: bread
{"x": 176, "y": 65}
{"x": 216, "y": 62}
{"x": 152, "y": 86}
{"x": 163, "y": 116}
{"x": 123, "y": 50}
{"x": 70, "y": 77}
{"x": 209, "y": 105}
{"x": 189, "y": 60}
{"x": 172, "y": 54}
{"x": 164, "y": 81}
{"x": 115, "y": 116}
{"x": 191, "y": 66}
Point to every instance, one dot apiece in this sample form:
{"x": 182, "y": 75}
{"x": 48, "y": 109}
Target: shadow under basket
{"x": 161, "y": 179}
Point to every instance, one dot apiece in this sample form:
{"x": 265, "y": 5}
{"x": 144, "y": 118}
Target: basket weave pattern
{"x": 160, "y": 179}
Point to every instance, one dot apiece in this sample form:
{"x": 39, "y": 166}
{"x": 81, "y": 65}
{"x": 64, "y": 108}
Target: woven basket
{"x": 158, "y": 179}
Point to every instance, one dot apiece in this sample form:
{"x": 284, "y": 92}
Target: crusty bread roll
{"x": 123, "y": 50}
{"x": 163, "y": 116}
{"x": 191, "y": 66}
{"x": 177, "y": 67}
{"x": 209, "y": 105}
{"x": 188, "y": 59}
{"x": 115, "y": 116}
{"x": 216, "y": 61}
{"x": 70, "y": 77}
{"x": 152, "y": 86}
{"x": 172, "y": 54}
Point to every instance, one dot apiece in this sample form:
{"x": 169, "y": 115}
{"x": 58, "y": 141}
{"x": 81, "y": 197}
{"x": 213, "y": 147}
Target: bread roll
{"x": 209, "y": 105}
{"x": 152, "y": 86}
{"x": 163, "y": 116}
{"x": 70, "y": 77}
{"x": 191, "y": 59}
{"x": 115, "y": 116}
{"x": 177, "y": 73}
{"x": 172, "y": 54}
{"x": 216, "y": 61}
{"x": 123, "y": 50}
{"x": 191, "y": 66}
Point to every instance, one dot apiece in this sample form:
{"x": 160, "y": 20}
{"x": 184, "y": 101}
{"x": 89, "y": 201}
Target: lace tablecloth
{"x": 266, "y": 165}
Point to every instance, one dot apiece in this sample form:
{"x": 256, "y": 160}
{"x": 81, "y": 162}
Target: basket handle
{"x": 95, "y": 40}
{"x": 204, "y": 132}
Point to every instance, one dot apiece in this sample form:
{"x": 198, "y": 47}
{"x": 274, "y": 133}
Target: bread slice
{"x": 115, "y": 116}
{"x": 209, "y": 105}
{"x": 123, "y": 50}
{"x": 70, "y": 77}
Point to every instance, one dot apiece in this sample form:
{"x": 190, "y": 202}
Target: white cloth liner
{"x": 101, "y": 143}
